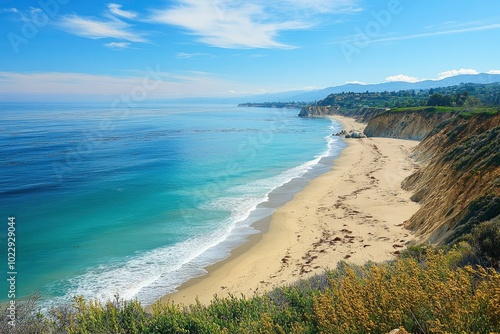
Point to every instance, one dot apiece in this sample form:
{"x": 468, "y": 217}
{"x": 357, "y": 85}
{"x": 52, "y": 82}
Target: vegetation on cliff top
{"x": 464, "y": 95}
{"x": 465, "y": 112}
{"x": 444, "y": 109}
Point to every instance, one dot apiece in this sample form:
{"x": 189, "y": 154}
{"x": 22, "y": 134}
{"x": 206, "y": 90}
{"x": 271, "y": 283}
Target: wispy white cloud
{"x": 116, "y": 10}
{"x": 218, "y": 24}
{"x": 452, "y": 73}
{"x": 356, "y": 82}
{"x": 322, "y": 6}
{"x": 10, "y": 10}
{"x": 244, "y": 24}
{"x": 96, "y": 29}
{"x": 402, "y": 77}
{"x": 440, "y": 76}
{"x": 437, "y": 33}
{"x": 185, "y": 55}
{"x": 108, "y": 26}
{"x": 32, "y": 15}
{"x": 117, "y": 45}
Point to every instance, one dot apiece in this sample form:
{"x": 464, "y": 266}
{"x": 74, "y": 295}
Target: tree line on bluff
{"x": 464, "y": 95}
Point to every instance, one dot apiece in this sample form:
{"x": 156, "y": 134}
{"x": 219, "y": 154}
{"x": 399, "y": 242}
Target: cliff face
{"x": 458, "y": 184}
{"x": 406, "y": 124}
{"x": 318, "y": 111}
{"x": 361, "y": 115}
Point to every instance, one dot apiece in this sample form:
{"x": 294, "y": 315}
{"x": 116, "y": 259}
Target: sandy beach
{"x": 355, "y": 212}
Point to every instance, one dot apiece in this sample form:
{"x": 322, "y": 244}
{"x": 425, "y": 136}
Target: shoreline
{"x": 353, "y": 212}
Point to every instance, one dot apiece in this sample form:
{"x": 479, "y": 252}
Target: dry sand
{"x": 354, "y": 213}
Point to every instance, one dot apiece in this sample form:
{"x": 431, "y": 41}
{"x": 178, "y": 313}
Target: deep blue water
{"x": 138, "y": 201}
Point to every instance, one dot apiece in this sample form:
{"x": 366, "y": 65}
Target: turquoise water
{"x": 137, "y": 201}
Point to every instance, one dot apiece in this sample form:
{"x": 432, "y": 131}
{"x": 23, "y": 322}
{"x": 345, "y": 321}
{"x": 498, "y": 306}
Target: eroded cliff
{"x": 406, "y": 124}
{"x": 458, "y": 184}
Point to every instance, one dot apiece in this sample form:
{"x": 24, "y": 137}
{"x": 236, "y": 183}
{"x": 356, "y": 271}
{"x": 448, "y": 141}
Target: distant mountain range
{"x": 315, "y": 95}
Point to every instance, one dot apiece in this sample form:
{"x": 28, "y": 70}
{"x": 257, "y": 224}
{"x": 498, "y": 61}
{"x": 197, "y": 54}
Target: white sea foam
{"x": 149, "y": 275}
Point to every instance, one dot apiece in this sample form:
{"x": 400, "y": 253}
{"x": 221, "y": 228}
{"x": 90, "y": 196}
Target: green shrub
{"x": 480, "y": 210}
{"x": 28, "y": 319}
{"x": 485, "y": 238}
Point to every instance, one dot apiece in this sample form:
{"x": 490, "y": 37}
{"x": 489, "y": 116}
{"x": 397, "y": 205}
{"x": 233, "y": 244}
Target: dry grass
{"x": 430, "y": 296}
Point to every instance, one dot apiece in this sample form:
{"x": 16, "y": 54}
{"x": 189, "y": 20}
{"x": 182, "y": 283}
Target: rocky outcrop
{"x": 355, "y": 134}
{"x": 458, "y": 183}
{"x": 410, "y": 124}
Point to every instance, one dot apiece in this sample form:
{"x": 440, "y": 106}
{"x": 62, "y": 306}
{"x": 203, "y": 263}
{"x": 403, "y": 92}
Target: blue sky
{"x": 55, "y": 49}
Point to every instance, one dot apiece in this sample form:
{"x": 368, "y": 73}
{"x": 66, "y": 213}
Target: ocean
{"x": 136, "y": 201}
